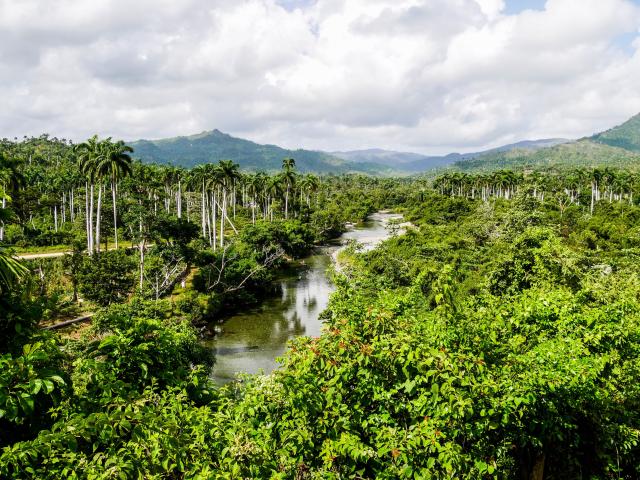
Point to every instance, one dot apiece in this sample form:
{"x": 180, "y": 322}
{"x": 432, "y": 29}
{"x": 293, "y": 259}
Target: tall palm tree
{"x": 308, "y": 184}
{"x": 114, "y": 163}
{"x": 229, "y": 173}
{"x": 198, "y": 179}
{"x": 273, "y": 188}
{"x": 214, "y": 182}
{"x": 288, "y": 177}
{"x": 89, "y": 154}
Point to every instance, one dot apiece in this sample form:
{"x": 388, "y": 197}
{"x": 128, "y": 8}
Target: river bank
{"x": 250, "y": 341}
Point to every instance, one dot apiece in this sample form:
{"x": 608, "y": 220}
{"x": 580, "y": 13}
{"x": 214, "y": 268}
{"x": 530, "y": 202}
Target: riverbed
{"x": 251, "y": 341}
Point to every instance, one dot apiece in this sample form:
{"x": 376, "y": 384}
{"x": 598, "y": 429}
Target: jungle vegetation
{"x": 498, "y": 337}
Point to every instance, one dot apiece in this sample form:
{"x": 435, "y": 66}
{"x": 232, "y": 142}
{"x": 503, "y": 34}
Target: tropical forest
{"x": 414, "y": 256}
{"x": 488, "y": 328}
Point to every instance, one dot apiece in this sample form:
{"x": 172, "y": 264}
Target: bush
{"x": 107, "y": 277}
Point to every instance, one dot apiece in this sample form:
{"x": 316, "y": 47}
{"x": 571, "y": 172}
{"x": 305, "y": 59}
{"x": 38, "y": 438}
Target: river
{"x": 251, "y": 341}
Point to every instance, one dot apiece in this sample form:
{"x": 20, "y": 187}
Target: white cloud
{"x": 426, "y": 75}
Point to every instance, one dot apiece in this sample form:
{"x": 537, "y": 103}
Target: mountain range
{"x": 206, "y": 147}
{"x": 415, "y": 162}
{"x": 618, "y": 146}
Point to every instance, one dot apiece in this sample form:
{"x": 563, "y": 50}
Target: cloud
{"x": 426, "y": 75}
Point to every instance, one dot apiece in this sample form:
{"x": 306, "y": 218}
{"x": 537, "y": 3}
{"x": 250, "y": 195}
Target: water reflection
{"x": 251, "y": 341}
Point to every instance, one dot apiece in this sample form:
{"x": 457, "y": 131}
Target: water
{"x": 251, "y": 341}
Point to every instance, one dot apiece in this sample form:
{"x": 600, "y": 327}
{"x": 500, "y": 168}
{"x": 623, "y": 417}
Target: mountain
{"x": 625, "y": 136}
{"x": 580, "y": 153}
{"x": 415, "y": 162}
{"x": 378, "y": 155}
{"x": 616, "y": 147}
{"x": 215, "y": 145}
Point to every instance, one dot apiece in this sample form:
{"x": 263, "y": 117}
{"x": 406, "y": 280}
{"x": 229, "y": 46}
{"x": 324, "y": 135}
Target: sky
{"x": 428, "y": 76}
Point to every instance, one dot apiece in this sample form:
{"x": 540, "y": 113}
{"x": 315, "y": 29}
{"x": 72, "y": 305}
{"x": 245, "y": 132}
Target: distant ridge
{"x": 618, "y": 146}
{"x": 415, "y": 162}
{"x": 212, "y": 146}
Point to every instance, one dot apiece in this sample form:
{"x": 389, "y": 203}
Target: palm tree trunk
{"x": 4, "y": 205}
{"x": 222, "y": 215}
{"x": 253, "y": 210}
{"x": 208, "y": 220}
{"x": 214, "y": 213}
{"x": 286, "y": 203}
{"x": 98, "y": 216}
{"x": 179, "y": 199}
{"x": 204, "y": 212}
{"x": 142, "y": 242}
{"x": 90, "y": 226}
{"x": 115, "y": 213}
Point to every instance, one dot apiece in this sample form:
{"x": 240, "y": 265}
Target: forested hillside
{"x": 626, "y": 135}
{"x": 496, "y": 337}
{"x": 208, "y": 147}
{"x": 581, "y": 153}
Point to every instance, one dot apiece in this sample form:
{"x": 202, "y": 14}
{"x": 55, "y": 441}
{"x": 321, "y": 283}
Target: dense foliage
{"x": 498, "y": 336}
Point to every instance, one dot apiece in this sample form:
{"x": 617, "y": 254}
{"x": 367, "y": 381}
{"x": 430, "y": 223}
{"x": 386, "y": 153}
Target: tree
{"x": 114, "y": 163}
{"x": 229, "y": 173}
{"x": 11, "y": 271}
{"x": 288, "y": 176}
{"x": 108, "y": 278}
{"x": 89, "y": 154}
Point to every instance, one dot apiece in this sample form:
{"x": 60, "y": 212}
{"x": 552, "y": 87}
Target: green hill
{"x": 581, "y": 153}
{"x": 215, "y": 145}
{"x": 625, "y": 136}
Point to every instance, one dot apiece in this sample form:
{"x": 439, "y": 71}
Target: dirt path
{"x": 33, "y": 256}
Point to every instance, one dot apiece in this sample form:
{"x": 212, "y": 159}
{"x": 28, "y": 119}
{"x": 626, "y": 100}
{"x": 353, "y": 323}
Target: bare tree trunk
{"x": 142, "y": 243}
{"x": 537, "y": 472}
{"x": 286, "y": 204}
{"x": 222, "y": 215}
{"x": 179, "y": 200}
{"x": 115, "y": 214}
{"x": 234, "y": 200}
{"x": 204, "y": 213}
{"x": 4, "y": 205}
{"x": 214, "y": 213}
{"x": 90, "y": 217}
{"x": 208, "y": 220}
{"x": 98, "y": 215}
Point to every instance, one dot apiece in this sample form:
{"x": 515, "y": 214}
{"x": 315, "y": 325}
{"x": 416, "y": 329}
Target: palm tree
{"x": 89, "y": 154}
{"x": 288, "y": 176}
{"x": 229, "y": 173}
{"x": 273, "y": 188}
{"x": 115, "y": 163}
{"x": 596, "y": 177}
{"x": 11, "y": 180}
{"x": 309, "y": 184}
{"x": 214, "y": 182}
{"x": 198, "y": 179}
{"x": 11, "y": 271}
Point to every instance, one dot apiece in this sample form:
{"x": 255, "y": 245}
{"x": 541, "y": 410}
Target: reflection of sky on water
{"x": 250, "y": 341}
